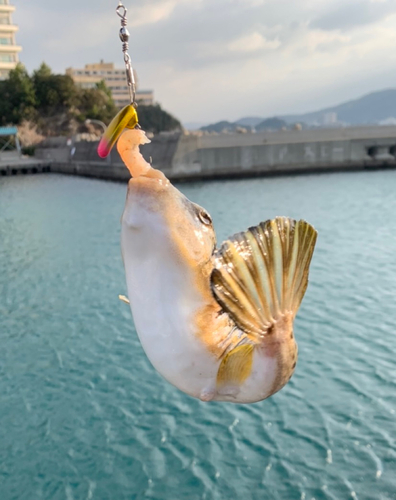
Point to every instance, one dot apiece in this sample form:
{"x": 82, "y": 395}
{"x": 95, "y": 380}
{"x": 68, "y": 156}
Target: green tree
{"x": 54, "y": 104}
{"x": 155, "y": 119}
{"x": 17, "y": 97}
{"x": 104, "y": 88}
{"x": 43, "y": 71}
{"x": 96, "y": 104}
{"x": 54, "y": 93}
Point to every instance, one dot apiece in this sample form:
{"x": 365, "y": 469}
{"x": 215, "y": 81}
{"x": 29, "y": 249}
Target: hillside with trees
{"x": 51, "y": 104}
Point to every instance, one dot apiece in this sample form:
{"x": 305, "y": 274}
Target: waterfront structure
{"x": 206, "y": 156}
{"x": 114, "y": 78}
{"x": 8, "y": 48}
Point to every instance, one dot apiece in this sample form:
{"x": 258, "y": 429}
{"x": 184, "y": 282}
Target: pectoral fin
{"x": 124, "y": 299}
{"x": 261, "y": 275}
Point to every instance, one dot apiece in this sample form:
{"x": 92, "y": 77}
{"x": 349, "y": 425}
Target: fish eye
{"x": 205, "y": 217}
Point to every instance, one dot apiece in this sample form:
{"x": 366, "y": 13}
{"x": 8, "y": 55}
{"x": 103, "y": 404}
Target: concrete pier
{"x": 11, "y": 163}
{"x": 191, "y": 157}
{"x": 269, "y": 153}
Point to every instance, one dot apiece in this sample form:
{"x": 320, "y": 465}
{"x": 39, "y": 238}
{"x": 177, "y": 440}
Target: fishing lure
{"x": 127, "y": 118}
{"x": 216, "y": 322}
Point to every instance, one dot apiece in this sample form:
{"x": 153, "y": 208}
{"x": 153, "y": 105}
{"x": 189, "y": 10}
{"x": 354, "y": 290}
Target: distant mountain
{"x": 246, "y": 124}
{"x": 223, "y": 126}
{"x": 218, "y": 126}
{"x": 271, "y": 124}
{"x": 369, "y": 109}
{"x": 375, "y": 108}
{"x": 249, "y": 121}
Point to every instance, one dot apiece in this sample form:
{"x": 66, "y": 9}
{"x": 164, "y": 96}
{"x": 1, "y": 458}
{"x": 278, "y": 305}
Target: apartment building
{"x": 8, "y": 48}
{"x": 114, "y": 78}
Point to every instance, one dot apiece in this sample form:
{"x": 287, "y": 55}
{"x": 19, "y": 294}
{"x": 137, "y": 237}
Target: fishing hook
{"x": 121, "y": 11}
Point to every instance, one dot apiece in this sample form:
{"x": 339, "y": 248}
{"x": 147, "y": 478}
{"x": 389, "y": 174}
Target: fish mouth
{"x": 145, "y": 194}
{"x": 149, "y": 201}
{"x": 149, "y": 191}
{"x": 128, "y": 148}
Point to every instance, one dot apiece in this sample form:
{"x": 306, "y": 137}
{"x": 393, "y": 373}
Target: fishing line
{"x": 124, "y": 37}
{"x": 127, "y": 117}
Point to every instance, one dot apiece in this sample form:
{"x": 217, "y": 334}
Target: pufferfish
{"x": 216, "y": 322}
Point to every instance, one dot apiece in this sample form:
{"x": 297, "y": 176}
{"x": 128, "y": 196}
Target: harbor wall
{"x": 189, "y": 156}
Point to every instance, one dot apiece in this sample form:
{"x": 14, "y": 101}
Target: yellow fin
{"x": 124, "y": 299}
{"x": 236, "y": 366}
{"x": 262, "y": 274}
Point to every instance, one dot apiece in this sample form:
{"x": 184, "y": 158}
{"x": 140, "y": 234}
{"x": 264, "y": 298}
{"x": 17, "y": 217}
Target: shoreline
{"x": 121, "y": 175}
{"x": 189, "y": 157}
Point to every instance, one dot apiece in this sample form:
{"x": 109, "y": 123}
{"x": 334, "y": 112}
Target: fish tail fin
{"x": 261, "y": 274}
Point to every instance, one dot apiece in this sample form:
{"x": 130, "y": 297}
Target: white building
{"x": 8, "y": 48}
{"x": 114, "y": 78}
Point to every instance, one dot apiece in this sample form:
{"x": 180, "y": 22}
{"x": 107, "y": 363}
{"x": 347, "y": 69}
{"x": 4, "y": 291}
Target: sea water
{"x": 83, "y": 415}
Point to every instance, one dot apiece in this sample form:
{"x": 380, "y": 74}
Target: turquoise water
{"x": 84, "y": 416}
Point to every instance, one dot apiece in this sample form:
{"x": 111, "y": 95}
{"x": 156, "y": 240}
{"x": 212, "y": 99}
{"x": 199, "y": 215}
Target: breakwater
{"x": 184, "y": 156}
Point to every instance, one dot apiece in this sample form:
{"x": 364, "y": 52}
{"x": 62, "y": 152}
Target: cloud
{"x": 153, "y": 12}
{"x": 211, "y": 60}
{"x": 252, "y": 43}
{"x": 354, "y": 13}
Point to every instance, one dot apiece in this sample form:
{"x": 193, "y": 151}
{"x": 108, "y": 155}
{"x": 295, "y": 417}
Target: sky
{"x": 209, "y": 60}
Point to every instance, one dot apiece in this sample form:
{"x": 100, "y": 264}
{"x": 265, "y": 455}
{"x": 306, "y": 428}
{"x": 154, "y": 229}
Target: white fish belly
{"x": 163, "y": 304}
